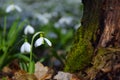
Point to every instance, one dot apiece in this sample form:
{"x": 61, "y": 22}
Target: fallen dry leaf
{"x": 22, "y": 75}
{"x": 65, "y": 76}
{"x": 42, "y": 72}
{"x": 27, "y": 77}
{"x": 6, "y": 69}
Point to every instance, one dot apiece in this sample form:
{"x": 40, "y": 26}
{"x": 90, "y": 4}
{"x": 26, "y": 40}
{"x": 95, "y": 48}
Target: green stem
{"x": 31, "y": 63}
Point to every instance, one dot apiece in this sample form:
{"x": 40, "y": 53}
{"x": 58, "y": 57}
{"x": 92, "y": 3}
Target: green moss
{"x": 103, "y": 55}
{"x": 81, "y": 52}
{"x": 98, "y": 59}
{"x": 80, "y": 56}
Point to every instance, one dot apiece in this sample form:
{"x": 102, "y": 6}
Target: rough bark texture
{"x": 96, "y": 46}
{"x": 111, "y": 23}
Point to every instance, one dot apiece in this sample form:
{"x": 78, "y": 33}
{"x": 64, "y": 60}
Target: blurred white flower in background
{"x": 77, "y": 26}
{"x": 57, "y": 25}
{"x": 55, "y": 14}
{"x": 13, "y": 7}
{"x": 43, "y": 18}
{"x": 64, "y": 31}
{"x": 41, "y": 40}
{"x": 25, "y": 48}
{"x": 63, "y": 21}
{"x": 47, "y": 15}
{"x": 29, "y": 30}
{"x": 52, "y": 35}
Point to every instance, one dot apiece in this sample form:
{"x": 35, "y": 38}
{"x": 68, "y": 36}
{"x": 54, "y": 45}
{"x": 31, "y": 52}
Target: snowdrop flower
{"x": 25, "y": 48}
{"x": 65, "y": 20}
{"x": 42, "y": 18}
{"x": 41, "y": 40}
{"x": 28, "y": 30}
{"x": 13, "y": 7}
{"x": 57, "y": 25}
{"x": 47, "y": 15}
{"x": 77, "y": 26}
{"x": 52, "y": 35}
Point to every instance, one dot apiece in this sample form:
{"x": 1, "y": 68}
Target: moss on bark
{"x": 97, "y": 41}
{"x": 80, "y": 54}
{"x": 82, "y": 50}
{"x": 105, "y": 61}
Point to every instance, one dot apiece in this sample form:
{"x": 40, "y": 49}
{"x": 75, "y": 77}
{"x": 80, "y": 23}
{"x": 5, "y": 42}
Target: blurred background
{"x": 59, "y": 19}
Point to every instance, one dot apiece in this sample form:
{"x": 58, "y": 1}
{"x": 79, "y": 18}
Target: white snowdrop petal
{"x": 44, "y": 20}
{"x": 10, "y": 8}
{"x": 13, "y": 7}
{"x": 28, "y": 30}
{"x": 48, "y": 41}
{"x": 22, "y": 49}
{"x": 25, "y": 48}
{"x": 39, "y": 42}
{"x": 18, "y": 8}
{"x": 31, "y": 29}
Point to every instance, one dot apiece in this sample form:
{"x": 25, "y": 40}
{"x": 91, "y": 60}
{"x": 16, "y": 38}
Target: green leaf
{"x": 13, "y": 32}
{"x": 22, "y": 57}
{"x": 23, "y": 66}
{"x": 0, "y": 40}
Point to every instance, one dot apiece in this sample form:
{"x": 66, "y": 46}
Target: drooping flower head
{"x": 25, "y": 48}
{"x": 42, "y": 40}
{"x": 13, "y": 7}
{"x": 29, "y": 30}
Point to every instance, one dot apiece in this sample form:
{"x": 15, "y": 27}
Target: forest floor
{"x": 13, "y": 72}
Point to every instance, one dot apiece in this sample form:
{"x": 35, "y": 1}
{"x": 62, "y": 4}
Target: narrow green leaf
{"x": 23, "y": 66}
{"x": 13, "y": 33}
{"x": 21, "y": 56}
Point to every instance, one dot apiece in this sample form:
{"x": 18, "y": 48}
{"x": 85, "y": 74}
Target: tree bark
{"x": 96, "y": 46}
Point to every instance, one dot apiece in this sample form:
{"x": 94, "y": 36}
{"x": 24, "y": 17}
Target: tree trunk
{"x": 96, "y": 47}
